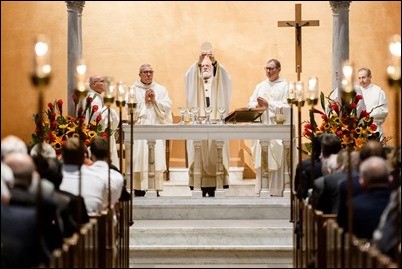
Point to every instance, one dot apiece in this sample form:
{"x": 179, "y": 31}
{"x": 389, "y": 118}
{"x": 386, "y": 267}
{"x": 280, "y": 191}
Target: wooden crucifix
{"x": 298, "y": 24}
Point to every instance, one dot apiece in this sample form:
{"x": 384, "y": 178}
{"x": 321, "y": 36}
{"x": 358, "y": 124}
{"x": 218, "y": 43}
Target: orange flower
{"x": 56, "y": 128}
{"x": 342, "y": 119}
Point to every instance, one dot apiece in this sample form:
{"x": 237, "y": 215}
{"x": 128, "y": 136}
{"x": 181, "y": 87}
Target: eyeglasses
{"x": 269, "y": 68}
{"x": 147, "y": 72}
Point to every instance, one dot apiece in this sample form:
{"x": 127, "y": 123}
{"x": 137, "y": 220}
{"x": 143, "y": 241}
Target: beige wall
{"x": 119, "y": 36}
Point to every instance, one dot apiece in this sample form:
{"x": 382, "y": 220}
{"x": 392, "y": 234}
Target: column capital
{"x": 77, "y": 6}
{"x": 337, "y": 5}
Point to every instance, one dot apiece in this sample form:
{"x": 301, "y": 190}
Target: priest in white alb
{"x": 208, "y": 84}
{"x": 271, "y": 94}
{"x": 153, "y": 107}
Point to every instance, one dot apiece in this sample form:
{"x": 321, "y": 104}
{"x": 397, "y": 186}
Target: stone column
{"x": 264, "y": 193}
{"x": 151, "y": 192}
{"x": 340, "y": 38}
{"x": 74, "y": 51}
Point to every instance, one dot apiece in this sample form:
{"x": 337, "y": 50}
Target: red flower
{"x": 56, "y": 128}
{"x": 335, "y": 107}
{"x": 98, "y": 118}
{"x": 60, "y": 106}
{"x": 358, "y": 97}
{"x": 343, "y": 120}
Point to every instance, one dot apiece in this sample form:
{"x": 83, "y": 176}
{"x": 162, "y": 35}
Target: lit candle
{"x": 394, "y": 71}
{"x": 121, "y": 91}
{"x": 131, "y": 95}
{"x": 42, "y": 57}
{"x": 81, "y": 70}
{"x": 313, "y": 88}
{"x": 291, "y": 89}
{"x": 299, "y": 91}
{"x": 110, "y": 90}
{"x": 347, "y": 83}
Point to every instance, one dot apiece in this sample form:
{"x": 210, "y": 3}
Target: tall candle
{"x": 394, "y": 70}
{"x": 81, "y": 70}
{"x": 347, "y": 82}
{"x": 131, "y": 95}
{"x": 313, "y": 88}
{"x": 299, "y": 91}
{"x": 42, "y": 66}
{"x": 291, "y": 89}
{"x": 121, "y": 91}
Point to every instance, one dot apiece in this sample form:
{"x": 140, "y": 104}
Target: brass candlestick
{"x": 131, "y": 109}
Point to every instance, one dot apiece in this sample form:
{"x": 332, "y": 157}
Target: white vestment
{"x": 149, "y": 114}
{"x": 220, "y": 94}
{"x": 376, "y": 104}
{"x": 276, "y": 94}
{"x": 114, "y": 121}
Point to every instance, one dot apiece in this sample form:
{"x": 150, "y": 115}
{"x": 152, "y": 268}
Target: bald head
{"x": 97, "y": 83}
{"x": 11, "y": 144}
{"x": 374, "y": 172}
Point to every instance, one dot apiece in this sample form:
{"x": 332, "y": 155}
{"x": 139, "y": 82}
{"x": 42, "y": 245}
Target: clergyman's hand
{"x": 262, "y": 102}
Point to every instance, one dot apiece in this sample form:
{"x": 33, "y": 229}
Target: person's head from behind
{"x": 11, "y": 144}
{"x": 50, "y": 169}
{"x": 99, "y": 149}
{"x": 364, "y": 76}
{"x": 146, "y": 74}
{"x": 23, "y": 168}
{"x": 374, "y": 173}
{"x": 206, "y": 68}
{"x": 43, "y": 149}
{"x": 97, "y": 83}
{"x": 371, "y": 148}
{"x": 73, "y": 151}
{"x": 330, "y": 144}
{"x": 272, "y": 69}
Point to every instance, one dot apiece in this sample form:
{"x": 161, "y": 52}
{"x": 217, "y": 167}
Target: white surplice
{"x": 97, "y": 100}
{"x": 220, "y": 89}
{"x": 276, "y": 94}
{"x": 376, "y": 102}
{"x": 159, "y": 113}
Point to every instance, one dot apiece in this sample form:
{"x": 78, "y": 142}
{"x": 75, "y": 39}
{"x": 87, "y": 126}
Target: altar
{"x": 217, "y": 132}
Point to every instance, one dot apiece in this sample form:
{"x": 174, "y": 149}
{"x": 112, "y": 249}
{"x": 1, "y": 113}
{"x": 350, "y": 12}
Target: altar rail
{"x": 200, "y": 132}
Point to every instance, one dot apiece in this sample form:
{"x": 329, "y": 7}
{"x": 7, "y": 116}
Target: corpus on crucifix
{"x": 298, "y": 23}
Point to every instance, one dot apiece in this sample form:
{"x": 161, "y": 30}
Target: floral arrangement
{"x": 343, "y": 120}
{"x": 55, "y": 128}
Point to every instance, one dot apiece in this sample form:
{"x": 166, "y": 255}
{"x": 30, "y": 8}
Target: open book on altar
{"x": 244, "y": 115}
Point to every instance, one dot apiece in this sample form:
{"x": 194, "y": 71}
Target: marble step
{"x": 211, "y": 243}
{"x": 206, "y": 233}
{"x": 212, "y": 208}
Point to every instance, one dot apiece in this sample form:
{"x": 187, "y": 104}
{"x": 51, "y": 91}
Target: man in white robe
{"x": 271, "y": 94}
{"x": 97, "y": 85}
{"x": 153, "y": 107}
{"x": 207, "y": 83}
{"x": 375, "y": 99}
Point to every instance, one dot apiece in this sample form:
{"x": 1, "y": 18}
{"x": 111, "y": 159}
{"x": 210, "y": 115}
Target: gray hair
{"x": 11, "y": 144}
